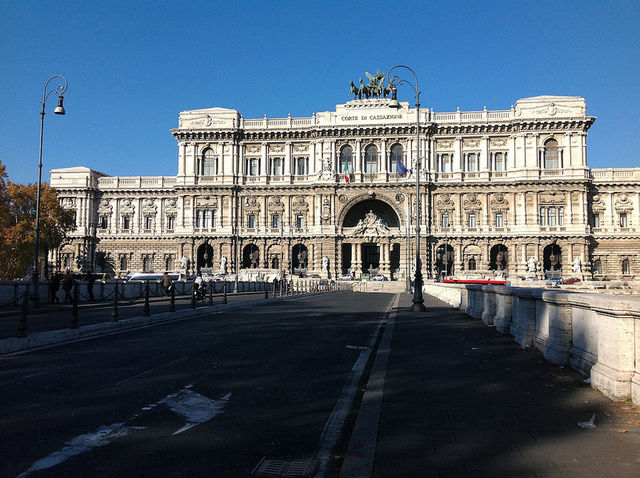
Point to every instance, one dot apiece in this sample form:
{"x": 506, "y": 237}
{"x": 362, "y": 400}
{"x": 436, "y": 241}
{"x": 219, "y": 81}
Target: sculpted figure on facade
{"x": 532, "y": 265}
{"x": 184, "y": 264}
{"x": 325, "y": 264}
{"x": 371, "y": 225}
{"x": 223, "y": 264}
{"x": 577, "y": 265}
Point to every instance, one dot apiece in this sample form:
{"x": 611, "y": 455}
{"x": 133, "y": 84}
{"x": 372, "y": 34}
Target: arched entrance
{"x": 204, "y": 258}
{"x": 499, "y": 258}
{"x": 346, "y": 258}
{"x": 552, "y": 256}
{"x": 250, "y": 256}
{"x": 300, "y": 258}
{"x": 370, "y": 258}
{"x": 444, "y": 260}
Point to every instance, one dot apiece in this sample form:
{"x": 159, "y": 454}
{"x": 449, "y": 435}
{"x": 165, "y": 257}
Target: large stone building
{"x": 324, "y": 194}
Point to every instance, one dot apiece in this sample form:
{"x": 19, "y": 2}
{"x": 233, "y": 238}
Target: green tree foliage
{"x": 17, "y": 224}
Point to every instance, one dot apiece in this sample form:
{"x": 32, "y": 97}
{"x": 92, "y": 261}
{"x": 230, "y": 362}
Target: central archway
{"x": 380, "y": 208}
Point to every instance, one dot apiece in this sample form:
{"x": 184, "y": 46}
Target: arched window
{"x": 371, "y": 159}
{"x": 146, "y": 264}
{"x": 472, "y": 264}
{"x": 597, "y": 267}
{"x": 209, "y": 163}
{"x": 168, "y": 264}
{"x": 397, "y": 154}
{"x": 346, "y": 159}
{"x": 551, "y": 155}
{"x": 625, "y": 267}
{"x": 123, "y": 263}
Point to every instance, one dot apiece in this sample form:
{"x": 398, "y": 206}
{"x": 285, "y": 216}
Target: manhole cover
{"x": 284, "y": 468}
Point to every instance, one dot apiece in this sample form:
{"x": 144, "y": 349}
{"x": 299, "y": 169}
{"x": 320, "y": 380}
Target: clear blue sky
{"x": 133, "y": 66}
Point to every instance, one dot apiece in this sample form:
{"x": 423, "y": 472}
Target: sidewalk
{"x": 462, "y": 400}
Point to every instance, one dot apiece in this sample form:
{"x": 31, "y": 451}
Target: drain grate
{"x": 270, "y": 467}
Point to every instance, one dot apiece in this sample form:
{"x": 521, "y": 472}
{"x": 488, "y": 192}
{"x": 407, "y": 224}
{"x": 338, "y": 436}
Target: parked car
{"x": 143, "y": 276}
{"x": 572, "y": 280}
{"x": 380, "y": 277}
{"x": 345, "y": 277}
{"x": 554, "y": 281}
{"x": 313, "y": 276}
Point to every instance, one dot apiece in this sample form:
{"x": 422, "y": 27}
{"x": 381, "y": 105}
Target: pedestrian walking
{"x": 67, "y": 285}
{"x": 54, "y": 285}
{"x": 198, "y": 286}
{"x": 91, "y": 278}
{"x": 167, "y": 283}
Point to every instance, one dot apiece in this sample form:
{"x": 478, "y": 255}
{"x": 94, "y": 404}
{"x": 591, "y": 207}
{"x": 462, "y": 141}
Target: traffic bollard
{"x": 147, "y": 310}
{"x": 74, "y": 307}
{"x": 114, "y": 312}
{"x": 22, "y": 323}
{"x": 224, "y": 293}
{"x": 172, "y": 303}
{"x": 211, "y": 286}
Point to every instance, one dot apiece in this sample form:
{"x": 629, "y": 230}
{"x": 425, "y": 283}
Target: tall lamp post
{"x": 394, "y": 81}
{"x": 60, "y": 89}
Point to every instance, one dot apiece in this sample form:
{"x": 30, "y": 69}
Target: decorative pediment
{"x": 552, "y": 198}
{"x": 69, "y": 203}
{"x": 471, "y": 201}
{"x": 498, "y": 201}
{"x": 105, "y": 207}
{"x": 444, "y": 200}
{"x": 299, "y": 203}
{"x": 498, "y": 142}
{"x": 149, "y": 206}
{"x": 276, "y": 148}
{"x": 253, "y": 148}
{"x": 445, "y": 144}
{"x": 276, "y": 204}
{"x": 207, "y": 201}
{"x": 301, "y": 148}
{"x": 371, "y": 226}
{"x": 252, "y": 204}
{"x": 171, "y": 204}
{"x": 622, "y": 200}
{"x": 127, "y": 206}
{"x": 471, "y": 143}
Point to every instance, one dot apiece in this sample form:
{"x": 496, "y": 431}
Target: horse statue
{"x": 363, "y": 90}
{"x": 353, "y": 89}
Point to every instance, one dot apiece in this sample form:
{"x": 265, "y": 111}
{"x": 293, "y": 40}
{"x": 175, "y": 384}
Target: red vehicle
{"x": 474, "y": 281}
{"x": 573, "y": 280}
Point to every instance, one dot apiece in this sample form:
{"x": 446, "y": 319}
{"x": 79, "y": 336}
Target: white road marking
{"x": 82, "y": 444}
{"x": 196, "y": 408}
{"x": 151, "y": 370}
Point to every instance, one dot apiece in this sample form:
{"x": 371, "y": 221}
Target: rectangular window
{"x": 251, "y": 223}
{"x": 206, "y": 218}
{"x": 445, "y": 220}
{"x": 472, "y": 162}
{"x": 299, "y": 221}
{"x": 252, "y": 168}
{"x": 214, "y": 219}
{"x": 500, "y": 161}
{"x": 596, "y": 220}
{"x": 126, "y": 222}
{"x": 543, "y": 216}
{"x": 198, "y": 218}
{"x": 471, "y": 219}
{"x": 445, "y": 163}
{"x": 499, "y": 222}
{"x": 276, "y": 166}
{"x": 551, "y": 216}
{"x": 301, "y": 166}
{"x": 561, "y": 216}
{"x": 148, "y": 223}
{"x": 171, "y": 222}
{"x": 623, "y": 220}
{"x": 104, "y": 223}
{"x": 275, "y": 221}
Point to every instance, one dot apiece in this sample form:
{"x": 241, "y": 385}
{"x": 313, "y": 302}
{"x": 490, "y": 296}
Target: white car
{"x": 345, "y": 277}
{"x": 380, "y": 277}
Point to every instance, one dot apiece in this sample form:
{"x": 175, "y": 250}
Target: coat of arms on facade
{"x": 371, "y": 225}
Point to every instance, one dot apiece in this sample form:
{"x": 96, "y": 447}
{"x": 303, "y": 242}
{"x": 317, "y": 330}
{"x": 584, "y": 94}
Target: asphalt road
{"x": 203, "y": 397}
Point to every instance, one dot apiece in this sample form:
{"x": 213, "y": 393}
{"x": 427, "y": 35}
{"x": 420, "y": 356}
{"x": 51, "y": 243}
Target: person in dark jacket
{"x": 54, "y": 285}
{"x": 91, "y": 279}
{"x": 67, "y": 285}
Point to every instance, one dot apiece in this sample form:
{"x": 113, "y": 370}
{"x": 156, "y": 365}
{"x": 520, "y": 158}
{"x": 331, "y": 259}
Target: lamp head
{"x": 60, "y": 108}
{"x": 394, "y": 98}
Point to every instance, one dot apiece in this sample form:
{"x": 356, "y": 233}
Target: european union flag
{"x": 401, "y": 168}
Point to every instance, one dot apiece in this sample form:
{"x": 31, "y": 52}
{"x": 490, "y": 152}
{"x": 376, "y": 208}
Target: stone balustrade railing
{"x": 597, "y": 334}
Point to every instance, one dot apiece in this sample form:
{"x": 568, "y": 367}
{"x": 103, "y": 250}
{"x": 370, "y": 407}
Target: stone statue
{"x": 353, "y": 89}
{"x": 302, "y": 259}
{"x": 184, "y": 263}
{"x": 532, "y": 265}
{"x": 325, "y": 264}
{"x": 372, "y": 225}
{"x": 362, "y": 90}
{"x": 577, "y": 265}
{"x": 254, "y": 256}
{"x": 223, "y": 264}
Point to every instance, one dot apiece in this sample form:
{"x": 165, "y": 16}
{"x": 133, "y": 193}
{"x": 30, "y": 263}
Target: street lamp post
{"x": 60, "y": 89}
{"x": 394, "y": 81}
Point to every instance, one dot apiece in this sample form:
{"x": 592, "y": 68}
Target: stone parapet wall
{"x": 597, "y": 334}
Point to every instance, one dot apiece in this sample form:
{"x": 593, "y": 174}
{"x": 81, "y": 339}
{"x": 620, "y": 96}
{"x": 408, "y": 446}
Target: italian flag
{"x": 346, "y": 172}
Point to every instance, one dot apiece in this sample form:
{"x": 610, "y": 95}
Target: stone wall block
{"x": 634, "y": 308}
{"x": 489, "y": 304}
{"x": 584, "y": 333}
{"x": 523, "y": 323}
{"x": 556, "y": 348}
{"x": 613, "y": 372}
{"x": 504, "y": 308}
{"x": 541, "y": 334}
